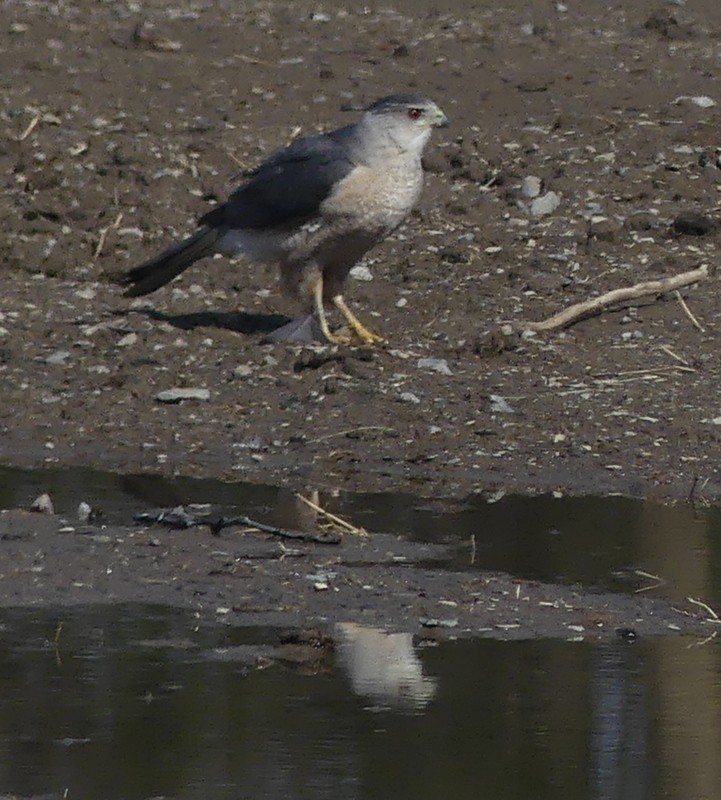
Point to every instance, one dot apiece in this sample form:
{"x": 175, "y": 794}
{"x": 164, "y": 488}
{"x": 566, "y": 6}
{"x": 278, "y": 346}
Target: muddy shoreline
{"x": 246, "y": 578}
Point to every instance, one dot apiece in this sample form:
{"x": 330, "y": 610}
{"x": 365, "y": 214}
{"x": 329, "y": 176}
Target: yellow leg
{"x": 366, "y": 335}
{"x": 322, "y": 319}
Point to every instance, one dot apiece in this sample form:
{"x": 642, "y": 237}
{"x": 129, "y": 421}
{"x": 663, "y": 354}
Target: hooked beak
{"x": 441, "y": 120}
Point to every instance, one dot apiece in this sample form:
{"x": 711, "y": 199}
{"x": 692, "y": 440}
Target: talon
{"x": 366, "y": 335}
{"x": 337, "y": 338}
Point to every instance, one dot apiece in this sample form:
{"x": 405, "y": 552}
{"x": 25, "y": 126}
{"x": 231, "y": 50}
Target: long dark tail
{"x": 160, "y": 270}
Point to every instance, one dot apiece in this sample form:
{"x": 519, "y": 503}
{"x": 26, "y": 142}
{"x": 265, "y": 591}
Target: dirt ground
{"x": 123, "y": 122}
{"x": 115, "y": 141}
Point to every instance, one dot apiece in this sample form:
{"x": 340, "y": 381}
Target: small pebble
{"x": 531, "y": 186}
{"x": 58, "y": 358}
{"x": 128, "y": 340}
{"x": 435, "y": 365}
{"x": 699, "y": 100}
{"x": 604, "y": 229}
{"x": 689, "y": 223}
{"x": 178, "y": 395}
{"x": 499, "y": 405}
{"x": 544, "y": 205}
{"x": 409, "y": 397}
{"x": 84, "y": 512}
{"x": 361, "y": 273}
{"x": 43, "y": 504}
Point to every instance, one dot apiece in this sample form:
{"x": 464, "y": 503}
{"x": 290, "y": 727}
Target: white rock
{"x": 128, "y": 340}
{"x": 43, "y": 504}
{"x": 180, "y": 394}
{"x": 361, "y": 273}
{"x": 702, "y": 101}
{"x": 544, "y": 205}
{"x": 499, "y": 405}
{"x": 58, "y": 357}
{"x": 435, "y": 365}
{"x": 531, "y": 186}
{"x": 409, "y": 397}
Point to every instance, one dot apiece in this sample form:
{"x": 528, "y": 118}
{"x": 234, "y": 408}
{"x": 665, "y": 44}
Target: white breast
{"x": 377, "y": 199}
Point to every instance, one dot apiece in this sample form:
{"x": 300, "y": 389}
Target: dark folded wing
{"x": 289, "y": 186}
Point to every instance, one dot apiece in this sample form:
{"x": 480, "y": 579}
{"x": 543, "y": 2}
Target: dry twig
{"x": 676, "y": 356}
{"x": 712, "y": 615}
{"x": 231, "y": 155}
{"x": 332, "y": 517}
{"x": 103, "y": 234}
{"x": 30, "y": 128}
{"x": 589, "y": 308}
{"x": 703, "y": 641}
{"x": 688, "y": 312}
{"x": 659, "y": 581}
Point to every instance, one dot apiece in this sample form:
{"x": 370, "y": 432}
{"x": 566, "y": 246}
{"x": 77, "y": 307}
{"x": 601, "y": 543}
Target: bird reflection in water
{"x": 384, "y": 667}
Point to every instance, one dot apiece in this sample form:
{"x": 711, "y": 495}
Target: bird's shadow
{"x": 243, "y": 322}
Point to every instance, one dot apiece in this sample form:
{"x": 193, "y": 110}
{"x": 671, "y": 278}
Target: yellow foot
{"x": 364, "y": 334}
{"x": 337, "y": 338}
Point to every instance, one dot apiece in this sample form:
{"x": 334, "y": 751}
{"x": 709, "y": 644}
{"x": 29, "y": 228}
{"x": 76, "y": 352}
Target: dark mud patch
{"x": 245, "y": 578}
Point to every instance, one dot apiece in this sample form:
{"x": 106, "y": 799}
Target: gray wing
{"x": 288, "y": 186}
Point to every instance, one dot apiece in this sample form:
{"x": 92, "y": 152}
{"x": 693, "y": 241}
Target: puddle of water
{"x": 611, "y": 543}
{"x": 131, "y": 703}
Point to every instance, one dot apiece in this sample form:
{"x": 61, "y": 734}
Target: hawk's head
{"x": 406, "y": 118}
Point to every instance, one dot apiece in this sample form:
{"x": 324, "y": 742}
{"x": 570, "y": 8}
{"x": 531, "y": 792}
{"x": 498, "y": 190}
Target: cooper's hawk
{"x": 315, "y": 208}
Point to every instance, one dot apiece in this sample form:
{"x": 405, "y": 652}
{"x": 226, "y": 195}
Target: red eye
{"x": 414, "y": 113}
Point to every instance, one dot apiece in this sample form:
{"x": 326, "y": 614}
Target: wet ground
{"x": 122, "y": 124}
{"x": 519, "y": 568}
